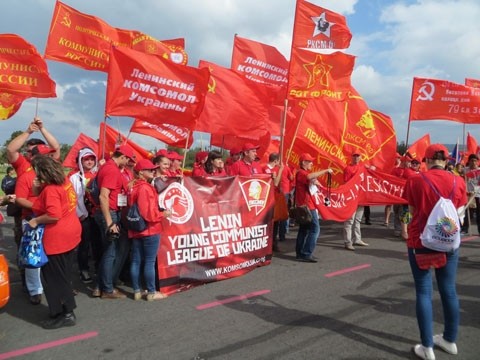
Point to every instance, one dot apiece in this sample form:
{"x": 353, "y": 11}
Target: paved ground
{"x": 350, "y": 305}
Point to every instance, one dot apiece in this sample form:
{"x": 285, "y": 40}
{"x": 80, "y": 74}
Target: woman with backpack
{"x": 422, "y": 193}
{"x": 145, "y": 243}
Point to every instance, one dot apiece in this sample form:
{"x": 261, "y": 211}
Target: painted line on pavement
{"x": 469, "y": 238}
{"x": 232, "y": 299}
{"x": 347, "y": 270}
{"x": 47, "y": 345}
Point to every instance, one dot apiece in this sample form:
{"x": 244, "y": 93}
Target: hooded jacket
{"x": 80, "y": 180}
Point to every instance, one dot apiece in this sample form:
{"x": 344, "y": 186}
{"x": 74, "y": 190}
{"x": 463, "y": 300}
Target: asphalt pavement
{"x": 349, "y": 305}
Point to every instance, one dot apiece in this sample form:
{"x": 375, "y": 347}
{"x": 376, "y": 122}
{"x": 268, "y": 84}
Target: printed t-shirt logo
{"x": 255, "y": 193}
{"x": 179, "y": 201}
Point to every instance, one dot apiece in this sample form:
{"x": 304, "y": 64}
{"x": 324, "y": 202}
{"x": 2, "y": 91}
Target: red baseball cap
{"x": 162, "y": 152}
{"x": 173, "y": 155}
{"x": 144, "y": 164}
{"x": 306, "y": 157}
{"x": 250, "y": 146}
{"x": 434, "y": 148}
{"x": 235, "y": 151}
{"x": 42, "y": 150}
{"x": 127, "y": 151}
{"x": 201, "y": 155}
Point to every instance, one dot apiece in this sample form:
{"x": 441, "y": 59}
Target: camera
{"x": 326, "y": 202}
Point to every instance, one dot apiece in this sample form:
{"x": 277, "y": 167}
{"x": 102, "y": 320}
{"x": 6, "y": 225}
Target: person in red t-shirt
{"x": 214, "y": 165}
{"x": 199, "y": 165}
{"x": 472, "y": 177}
{"x": 176, "y": 164}
{"x": 352, "y": 234}
{"x": 113, "y": 198}
{"x": 248, "y": 165}
{"x": 307, "y": 234}
{"x": 422, "y": 193}
{"x": 235, "y": 155}
{"x": 55, "y": 207}
{"x": 23, "y": 189}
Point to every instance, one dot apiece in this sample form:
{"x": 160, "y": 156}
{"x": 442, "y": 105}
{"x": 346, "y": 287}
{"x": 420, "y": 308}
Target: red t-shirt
{"x": 23, "y": 189}
{"x": 59, "y": 201}
{"x": 302, "y": 194}
{"x": 241, "y": 168}
{"x": 286, "y": 180}
{"x": 423, "y": 198}
{"x": 21, "y": 165}
{"x": 110, "y": 177}
{"x": 199, "y": 170}
{"x": 350, "y": 171}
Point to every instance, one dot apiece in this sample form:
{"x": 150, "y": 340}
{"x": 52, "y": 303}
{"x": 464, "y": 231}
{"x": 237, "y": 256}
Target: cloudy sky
{"x": 393, "y": 41}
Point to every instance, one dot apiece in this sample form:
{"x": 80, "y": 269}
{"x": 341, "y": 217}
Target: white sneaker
{"x": 360, "y": 243}
{"x": 423, "y": 352}
{"x": 446, "y": 346}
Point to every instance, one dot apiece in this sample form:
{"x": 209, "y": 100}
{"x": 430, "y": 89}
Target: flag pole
{"x": 104, "y": 135}
{"x": 283, "y": 121}
{"x": 409, "y": 116}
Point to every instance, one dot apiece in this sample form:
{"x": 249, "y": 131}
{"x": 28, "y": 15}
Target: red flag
{"x": 332, "y": 130}
{"x": 169, "y": 134}
{"x": 84, "y": 40}
{"x": 417, "y": 149}
{"x": 9, "y": 105}
{"x": 24, "y": 72}
{"x": 319, "y": 28}
{"x": 440, "y": 99}
{"x": 233, "y": 105}
{"x": 314, "y": 75}
{"x": 472, "y": 83}
{"x": 147, "y": 86}
{"x": 82, "y": 141}
{"x": 110, "y": 138}
{"x": 472, "y": 145}
{"x": 259, "y": 62}
{"x": 233, "y": 141}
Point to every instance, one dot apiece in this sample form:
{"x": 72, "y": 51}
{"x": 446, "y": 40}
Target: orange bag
{"x": 4, "y": 282}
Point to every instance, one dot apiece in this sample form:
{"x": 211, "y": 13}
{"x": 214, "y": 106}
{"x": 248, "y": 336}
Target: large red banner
{"x": 149, "y": 87}
{"x": 440, "y": 99}
{"x": 319, "y": 28}
{"x": 24, "y": 71}
{"x": 220, "y": 228}
{"x": 84, "y": 40}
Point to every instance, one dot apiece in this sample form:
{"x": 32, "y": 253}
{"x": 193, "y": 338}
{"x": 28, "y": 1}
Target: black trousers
{"x": 57, "y": 283}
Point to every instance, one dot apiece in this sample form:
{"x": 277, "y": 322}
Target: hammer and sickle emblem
{"x": 426, "y": 92}
{"x": 212, "y": 83}
{"x": 66, "y": 20}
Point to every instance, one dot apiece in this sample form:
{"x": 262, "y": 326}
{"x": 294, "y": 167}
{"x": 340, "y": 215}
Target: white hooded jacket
{"x": 79, "y": 181}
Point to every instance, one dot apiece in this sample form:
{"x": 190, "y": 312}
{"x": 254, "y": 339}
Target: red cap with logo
{"x": 42, "y": 150}
{"x": 173, "y": 155}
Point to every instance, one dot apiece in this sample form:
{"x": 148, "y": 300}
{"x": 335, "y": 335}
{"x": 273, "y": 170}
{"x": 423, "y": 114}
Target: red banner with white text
{"x": 169, "y": 134}
{"x": 148, "y": 87}
{"x": 440, "y": 99}
{"x": 209, "y": 240}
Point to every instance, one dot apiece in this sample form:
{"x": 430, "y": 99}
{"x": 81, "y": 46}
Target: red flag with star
{"x": 313, "y": 75}
{"x": 318, "y": 28}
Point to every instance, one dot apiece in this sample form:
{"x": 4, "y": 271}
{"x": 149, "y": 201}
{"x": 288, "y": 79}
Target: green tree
{"x": 3, "y": 150}
{"x": 64, "y": 150}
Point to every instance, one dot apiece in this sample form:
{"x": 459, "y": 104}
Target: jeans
{"x": 144, "y": 250}
{"x": 33, "y": 281}
{"x": 446, "y": 277}
{"x": 307, "y": 237}
{"x": 107, "y": 262}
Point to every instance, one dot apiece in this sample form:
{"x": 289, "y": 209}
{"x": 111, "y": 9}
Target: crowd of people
{"x": 85, "y": 216}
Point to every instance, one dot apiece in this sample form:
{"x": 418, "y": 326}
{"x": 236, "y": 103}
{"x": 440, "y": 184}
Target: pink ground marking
{"x": 469, "y": 238}
{"x": 347, "y": 270}
{"x": 232, "y": 299}
{"x": 47, "y": 345}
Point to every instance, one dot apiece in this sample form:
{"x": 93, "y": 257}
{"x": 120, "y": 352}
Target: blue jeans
{"x": 446, "y": 277}
{"x": 307, "y": 237}
{"x": 106, "y": 268}
{"x": 144, "y": 250}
